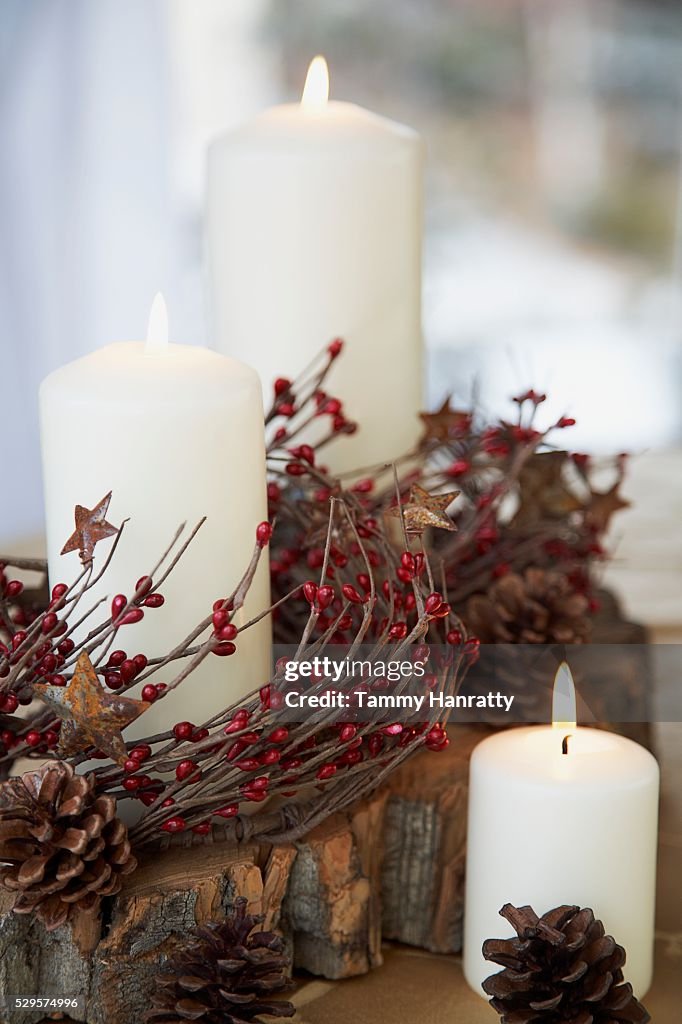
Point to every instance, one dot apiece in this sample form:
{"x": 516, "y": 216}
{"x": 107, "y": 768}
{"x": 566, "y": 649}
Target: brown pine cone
{"x": 62, "y": 845}
{"x": 539, "y": 607}
{"x": 227, "y": 975}
{"x": 562, "y": 969}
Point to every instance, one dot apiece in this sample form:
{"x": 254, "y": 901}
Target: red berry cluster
{"x": 126, "y": 611}
{"x": 34, "y": 649}
{"x": 272, "y": 762}
{"x": 299, "y": 403}
{"x": 337, "y": 585}
{"x": 121, "y": 671}
{"x": 224, "y": 631}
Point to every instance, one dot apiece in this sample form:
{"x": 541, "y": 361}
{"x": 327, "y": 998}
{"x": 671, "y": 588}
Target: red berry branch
{"x": 521, "y": 502}
{"x": 387, "y": 559}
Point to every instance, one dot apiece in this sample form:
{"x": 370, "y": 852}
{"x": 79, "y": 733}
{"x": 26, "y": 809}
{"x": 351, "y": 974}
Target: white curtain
{"x": 84, "y": 203}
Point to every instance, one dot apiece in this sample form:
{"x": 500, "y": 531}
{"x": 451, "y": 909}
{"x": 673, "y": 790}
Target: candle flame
{"x": 316, "y": 88}
{"x": 157, "y": 327}
{"x": 564, "y": 713}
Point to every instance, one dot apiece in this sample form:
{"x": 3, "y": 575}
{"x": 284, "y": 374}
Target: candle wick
{"x": 564, "y": 744}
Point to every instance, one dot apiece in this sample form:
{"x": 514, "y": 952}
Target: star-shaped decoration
{"x": 90, "y": 716}
{"x": 444, "y": 423}
{"x": 543, "y": 493}
{"x": 603, "y": 505}
{"x": 91, "y": 527}
{"x": 423, "y": 509}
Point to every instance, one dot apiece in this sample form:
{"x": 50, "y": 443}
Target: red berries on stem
{"x": 229, "y": 811}
{"x": 436, "y": 738}
{"x": 351, "y": 594}
{"x": 263, "y": 534}
{"x": 458, "y": 468}
{"x": 325, "y": 596}
{"x": 224, "y": 649}
{"x": 131, "y": 616}
{"x": 220, "y": 618}
{"x": 59, "y": 590}
{"x": 143, "y": 586}
{"x": 50, "y": 621}
{"x": 176, "y": 824}
{"x": 187, "y": 768}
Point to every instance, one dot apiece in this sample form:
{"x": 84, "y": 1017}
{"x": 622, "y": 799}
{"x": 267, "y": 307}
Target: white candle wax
{"x": 314, "y": 231}
{"x": 176, "y": 433}
{"x": 547, "y": 828}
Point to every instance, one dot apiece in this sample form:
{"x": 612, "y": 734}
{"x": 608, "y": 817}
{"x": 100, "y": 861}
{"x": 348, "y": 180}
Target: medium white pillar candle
{"x": 176, "y": 433}
{"x": 314, "y": 230}
{"x": 548, "y": 828}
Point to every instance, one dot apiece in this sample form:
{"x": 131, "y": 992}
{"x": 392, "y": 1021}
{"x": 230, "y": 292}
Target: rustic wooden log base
{"x": 396, "y": 857}
{"x": 332, "y": 909}
{"x": 422, "y": 881}
{"x": 331, "y": 917}
{"x": 629, "y": 703}
{"x": 113, "y": 967}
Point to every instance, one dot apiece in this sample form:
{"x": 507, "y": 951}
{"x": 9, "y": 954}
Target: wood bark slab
{"x": 624, "y": 674}
{"x": 332, "y": 906}
{"x": 422, "y": 881}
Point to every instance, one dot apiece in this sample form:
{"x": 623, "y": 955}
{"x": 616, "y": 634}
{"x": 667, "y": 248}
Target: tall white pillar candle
{"x": 314, "y": 231}
{"x": 176, "y": 433}
{"x": 548, "y": 828}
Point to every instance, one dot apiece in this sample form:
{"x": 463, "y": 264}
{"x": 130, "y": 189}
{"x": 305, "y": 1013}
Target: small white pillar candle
{"x": 176, "y": 433}
{"x": 548, "y": 828}
{"x": 314, "y": 229}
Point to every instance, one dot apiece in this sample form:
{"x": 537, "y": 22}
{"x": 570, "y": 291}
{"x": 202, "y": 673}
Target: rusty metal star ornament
{"x": 543, "y": 493}
{"x": 91, "y": 527}
{"x": 90, "y": 716}
{"x": 603, "y": 505}
{"x": 444, "y": 423}
{"x": 422, "y": 510}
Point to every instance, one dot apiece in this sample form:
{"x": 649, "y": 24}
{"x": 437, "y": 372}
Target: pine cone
{"x": 62, "y": 845}
{"x": 539, "y": 607}
{"x": 562, "y": 969}
{"x": 227, "y": 975}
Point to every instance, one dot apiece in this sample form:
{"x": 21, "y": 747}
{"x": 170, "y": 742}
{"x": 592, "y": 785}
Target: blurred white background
{"x": 553, "y": 250}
